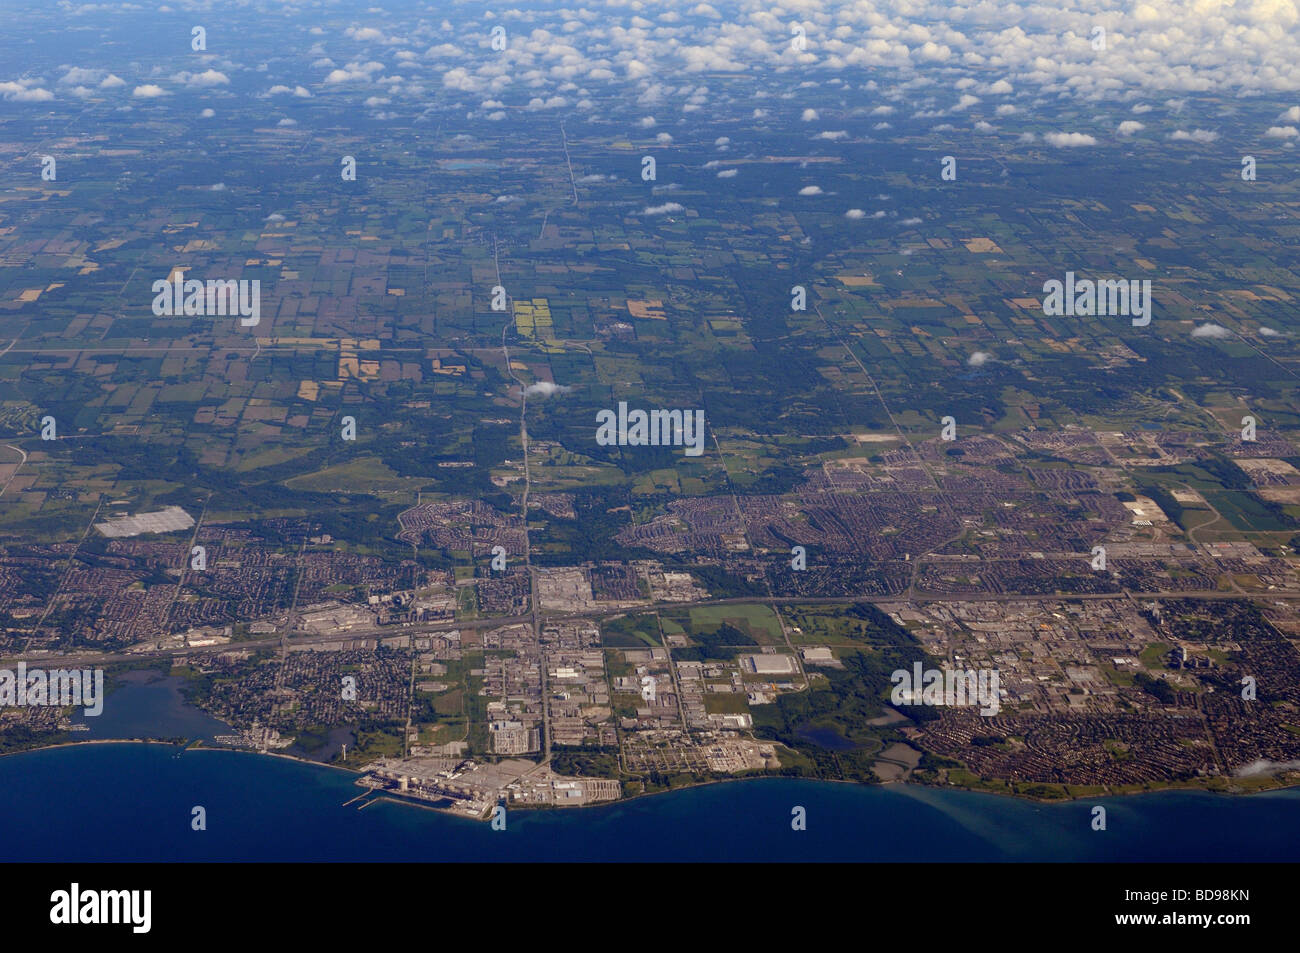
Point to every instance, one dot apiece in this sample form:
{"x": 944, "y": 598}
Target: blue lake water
{"x": 122, "y": 801}
{"x": 145, "y": 704}
{"x": 134, "y": 802}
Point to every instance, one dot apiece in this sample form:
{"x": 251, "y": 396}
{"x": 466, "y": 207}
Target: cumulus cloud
{"x": 362, "y": 73}
{"x": 207, "y": 78}
{"x": 545, "y": 389}
{"x": 76, "y": 76}
{"x": 728, "y": 173}
{"x": 1211, "y": 330}
{"x": 1130, "y": 126}
{"x": 926, "y": 53}
{"x": 833, "y": 136}
{"x": 979, "y": 358}
{"x": 1068, "y": 140}
{"x": 148, "y": 91}
{"x": 22, "y": 93}
{"x": 275, "y": 217}
{"x": 855, "y": 214}
{"x": 811, "y": 190}
{"x": 1196, "y": 135}
{"x": 1282, "y": 132}
{"x": 665, "y": 209}
{"x": 1268, "y": 332}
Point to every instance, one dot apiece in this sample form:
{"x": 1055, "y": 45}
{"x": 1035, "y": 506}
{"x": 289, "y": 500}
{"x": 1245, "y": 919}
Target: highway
{"x": 538, "y": 616}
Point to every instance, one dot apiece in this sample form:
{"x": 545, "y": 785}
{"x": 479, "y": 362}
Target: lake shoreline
{"x": 1192, "y": 787}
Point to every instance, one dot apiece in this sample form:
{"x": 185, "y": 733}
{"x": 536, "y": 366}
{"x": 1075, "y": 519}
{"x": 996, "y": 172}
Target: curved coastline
{"x": 1190, "y": 788}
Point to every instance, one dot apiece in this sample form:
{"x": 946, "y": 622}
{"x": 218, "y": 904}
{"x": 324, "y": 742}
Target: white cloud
{"x": 206, "y": 79}
{"x": 1211, "y": 330}
{"x": 148, "y": 91}
{"x": 1196, "y": 135}
{"x": 1068, "y": 140}
{"x": 728, "y": 173}
{"x": 15, "y": 93}
{"x": 855, "y": 214}
{"x": 545, "y": 389}
{"x": 1130, "y": 126}
{"x": 979, "y": 358}
{"x": 76, "y": 76}
{"x": 665, "y": 209}
{"x": 879, "y": 59}
{"x": 1282, "y": 132}
{"x": 1264, "y": 766}
{"x": 362, "y": 73}
{"x": 811, "y": 190}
